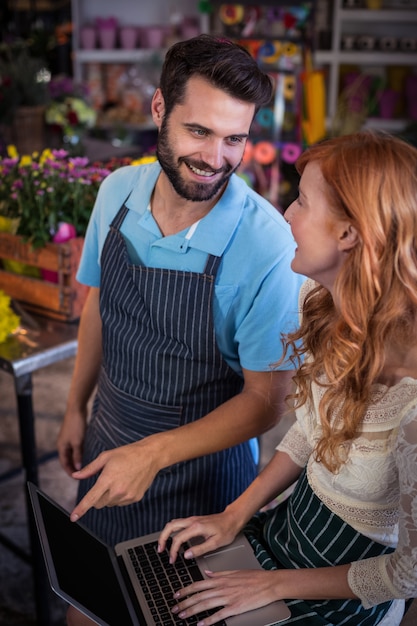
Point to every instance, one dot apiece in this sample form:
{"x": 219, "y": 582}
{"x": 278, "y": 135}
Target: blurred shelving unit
{"x": 375, "y": 42}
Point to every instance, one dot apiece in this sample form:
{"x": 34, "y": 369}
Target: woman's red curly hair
{"x": 372, "y": 182}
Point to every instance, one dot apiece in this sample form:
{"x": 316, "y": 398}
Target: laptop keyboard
{"x": 160, "y": 580}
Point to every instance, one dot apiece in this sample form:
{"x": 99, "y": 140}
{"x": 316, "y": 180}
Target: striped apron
{"x": 161, "y": 369}
{"x": 303, "y": 532}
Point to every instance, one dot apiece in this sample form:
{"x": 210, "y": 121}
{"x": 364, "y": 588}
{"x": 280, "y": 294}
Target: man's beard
{"x": 195, "y": 192}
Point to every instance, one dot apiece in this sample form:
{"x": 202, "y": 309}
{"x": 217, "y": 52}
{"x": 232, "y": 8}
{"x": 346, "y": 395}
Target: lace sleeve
{"x": 395, "y": 575}
{"x": 295, "y": 444}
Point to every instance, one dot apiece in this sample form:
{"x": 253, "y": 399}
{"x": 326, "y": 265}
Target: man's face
{"x": 201, "y": 143}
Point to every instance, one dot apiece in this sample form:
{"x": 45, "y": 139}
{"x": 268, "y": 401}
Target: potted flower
{"x": 45, "y": 205}
{"x": 41, "y": 191}
{"x": 23, "y": 95}
{"x": 69, "y": 114}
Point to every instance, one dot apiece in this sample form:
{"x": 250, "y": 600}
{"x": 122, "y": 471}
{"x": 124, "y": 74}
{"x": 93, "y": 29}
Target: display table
{"x": 40, "y": 342}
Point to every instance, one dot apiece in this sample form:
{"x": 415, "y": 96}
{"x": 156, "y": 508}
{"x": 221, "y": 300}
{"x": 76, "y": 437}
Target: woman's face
{"x": 321, "y": 238}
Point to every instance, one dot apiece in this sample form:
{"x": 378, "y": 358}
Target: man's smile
{"x": 199, "y": 172}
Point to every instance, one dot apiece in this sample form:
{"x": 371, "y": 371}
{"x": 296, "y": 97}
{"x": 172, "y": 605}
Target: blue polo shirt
{"x": 256, "y": 292}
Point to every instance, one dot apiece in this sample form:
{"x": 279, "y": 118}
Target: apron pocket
{"x": 122, "y": 418}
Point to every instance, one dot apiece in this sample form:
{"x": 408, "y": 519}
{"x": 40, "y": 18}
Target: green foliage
{"x": 40, "y": 191}
{"x": 23, "y": 80}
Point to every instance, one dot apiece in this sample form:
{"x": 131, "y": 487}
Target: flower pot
{"x": 64, "y": 300}
{"x": 28, "y": 129}
{"x": 387, "y": 103}
{"x": 153, "y": 36}
{"x": 107, "y": 37}
{"x": 88, "y": 37}
{"x": 8, "y": 225}
{"x": 128, "y": 37}
{"x": 65, "y": 232}
{"x": 411, "y": 96}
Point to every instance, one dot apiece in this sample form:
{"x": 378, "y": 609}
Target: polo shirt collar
{"x": 215, "y": 230}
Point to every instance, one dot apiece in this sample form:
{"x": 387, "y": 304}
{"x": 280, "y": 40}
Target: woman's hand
{"x": 232, "y": 592}
{"x": 214, "y": 530}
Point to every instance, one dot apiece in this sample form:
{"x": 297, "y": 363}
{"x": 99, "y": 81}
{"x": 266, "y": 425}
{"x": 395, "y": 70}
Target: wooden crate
{"x": 63, "y": 300}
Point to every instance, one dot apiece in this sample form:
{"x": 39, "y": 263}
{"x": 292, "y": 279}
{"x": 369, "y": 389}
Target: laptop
{"x": 131, "y": 584}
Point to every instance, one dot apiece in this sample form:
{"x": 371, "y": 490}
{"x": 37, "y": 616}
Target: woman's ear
{"x": 158, "y": 107}
{"x": 348, "y": 237}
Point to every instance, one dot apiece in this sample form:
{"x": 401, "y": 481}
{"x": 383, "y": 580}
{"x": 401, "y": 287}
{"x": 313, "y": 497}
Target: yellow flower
{"x": 46, "y": 154}
{"x": 25, "y": 160}
{"x": 7, "y": 225}
{"x": 9, "y": 321}
{"x": 144, "y": 160}
{"x": 12, "y": 152}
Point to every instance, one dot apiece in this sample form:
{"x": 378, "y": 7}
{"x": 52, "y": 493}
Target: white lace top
{"x": 375, "y": 491}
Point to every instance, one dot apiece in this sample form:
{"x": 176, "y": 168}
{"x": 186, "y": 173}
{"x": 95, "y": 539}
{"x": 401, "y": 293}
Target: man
{"x": 190, "y": 289}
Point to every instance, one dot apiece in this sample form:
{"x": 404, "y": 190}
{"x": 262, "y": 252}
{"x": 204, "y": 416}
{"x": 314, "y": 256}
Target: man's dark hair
{"x": 224, "y": 64}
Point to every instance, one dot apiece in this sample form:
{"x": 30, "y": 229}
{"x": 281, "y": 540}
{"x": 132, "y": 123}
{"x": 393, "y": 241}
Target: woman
{"x": 343, "y": 548}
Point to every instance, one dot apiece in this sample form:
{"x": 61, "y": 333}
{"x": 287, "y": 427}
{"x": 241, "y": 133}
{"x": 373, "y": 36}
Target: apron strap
{"x": 120, "y": 215}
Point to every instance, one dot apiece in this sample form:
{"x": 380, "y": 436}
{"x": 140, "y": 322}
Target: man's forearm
{"x": 89, "y": 354}
{"x": 249, "y": 414}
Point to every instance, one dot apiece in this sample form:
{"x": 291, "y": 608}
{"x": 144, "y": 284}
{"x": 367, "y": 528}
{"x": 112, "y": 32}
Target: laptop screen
{"x": 80, "y": 566}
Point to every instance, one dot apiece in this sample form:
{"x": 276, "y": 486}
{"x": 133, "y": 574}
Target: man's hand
{"x": 70, "y": 441}
{"x": 128, "y": 471}
{"x": 126, "y": 474}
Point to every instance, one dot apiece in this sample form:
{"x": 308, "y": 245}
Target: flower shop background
{"x": 49, "y": 180}
{"x": 52, "y": 158}
{"x": 60, "y": 134}
{"x": 42, "y": 106}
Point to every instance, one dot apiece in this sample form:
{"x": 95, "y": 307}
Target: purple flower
{"x": 79, "y": 161}
{"x": 59, "y": 154}
{"x": 7, "y": 162}
{"x": 61, "y": 87}
{"x": 55, "y": 165}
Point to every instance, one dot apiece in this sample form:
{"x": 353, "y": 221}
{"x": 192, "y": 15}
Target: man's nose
{"x": 214, "y": 154}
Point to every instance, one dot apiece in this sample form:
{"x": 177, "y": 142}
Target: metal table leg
{"x": 39, "y": 343}
{"x": 23, "y": 386}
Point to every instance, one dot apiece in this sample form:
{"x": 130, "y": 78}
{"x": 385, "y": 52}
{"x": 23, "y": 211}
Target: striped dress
{"x": 303, "y": 532}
